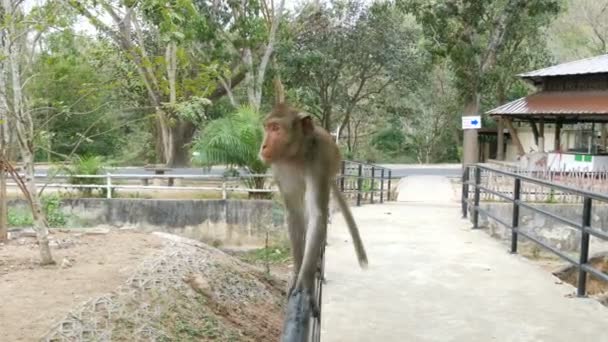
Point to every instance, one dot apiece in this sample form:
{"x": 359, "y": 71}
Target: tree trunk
{"x": 25, "y": 134}
{"x": 183, "y": 132}
{"x": 3, "y": 148}
{"x": 40, "y": 223}
{"x": 3, "y": 206}
{"x": 470, "y": 149}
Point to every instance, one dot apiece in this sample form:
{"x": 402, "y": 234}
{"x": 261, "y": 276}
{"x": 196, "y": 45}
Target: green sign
{"x": 585, "y": 158}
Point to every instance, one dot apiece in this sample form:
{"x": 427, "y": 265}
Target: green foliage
{"x": 51, "y": 204}
{"x": 19, "y": 218}
{"x": 234, "y": 140}
{"x": 192, "y": 110}
{"x": 271, "y": 254}
{"x": 71, "y": 98}
{"x": 390, "y": 140}
{"x": 88, "y": 165}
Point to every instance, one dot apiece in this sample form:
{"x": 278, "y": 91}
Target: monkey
{"x": 304, "y": 161}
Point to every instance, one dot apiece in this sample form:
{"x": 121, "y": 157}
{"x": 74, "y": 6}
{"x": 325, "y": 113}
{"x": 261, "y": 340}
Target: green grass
{"x": 272, "y": 255}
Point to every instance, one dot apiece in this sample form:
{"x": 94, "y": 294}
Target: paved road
{"x": 398, "y": 171}
{"x": 431, "y": 278}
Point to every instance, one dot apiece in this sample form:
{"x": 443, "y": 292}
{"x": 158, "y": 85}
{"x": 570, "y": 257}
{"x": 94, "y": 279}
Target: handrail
{"x": 585, "y": 227}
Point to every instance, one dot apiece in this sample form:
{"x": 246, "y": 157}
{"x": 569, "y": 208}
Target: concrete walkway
{"x": 431, "y": 278}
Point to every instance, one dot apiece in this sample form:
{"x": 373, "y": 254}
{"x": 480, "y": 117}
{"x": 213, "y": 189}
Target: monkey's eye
{"x": 274, "y": 127}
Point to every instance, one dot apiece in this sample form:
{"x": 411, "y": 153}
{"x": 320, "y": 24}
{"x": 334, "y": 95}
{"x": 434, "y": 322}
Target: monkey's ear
{"x": 308, "y": 125}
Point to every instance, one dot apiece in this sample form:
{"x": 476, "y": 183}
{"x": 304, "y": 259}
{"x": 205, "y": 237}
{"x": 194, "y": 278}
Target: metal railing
{"x": 584, "y": 226}
{"x": 364, "y": 182}
{"x": 113, "y": 182}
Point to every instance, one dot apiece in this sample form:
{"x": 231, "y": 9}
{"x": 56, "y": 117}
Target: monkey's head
{"x": 285, "y": 130}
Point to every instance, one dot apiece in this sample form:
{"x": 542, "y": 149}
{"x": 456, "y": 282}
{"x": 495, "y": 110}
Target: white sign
{"x": 471, "y": 122}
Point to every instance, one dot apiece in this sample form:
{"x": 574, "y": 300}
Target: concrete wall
{"x": 526, "y": 136}
{"x": 547, "y": 229}
{"x": 232, "y": 222}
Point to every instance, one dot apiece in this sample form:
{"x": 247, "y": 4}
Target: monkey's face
{"x": 276, "y": 140}
{"x": 285, "y": 130}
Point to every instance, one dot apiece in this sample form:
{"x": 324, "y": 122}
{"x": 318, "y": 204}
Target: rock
{"x": 97, "y": 231}
{"x": 65, "y": 263}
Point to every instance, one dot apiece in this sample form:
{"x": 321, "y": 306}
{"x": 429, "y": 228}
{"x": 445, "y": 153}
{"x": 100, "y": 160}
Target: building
{"x": 565, "y": 123}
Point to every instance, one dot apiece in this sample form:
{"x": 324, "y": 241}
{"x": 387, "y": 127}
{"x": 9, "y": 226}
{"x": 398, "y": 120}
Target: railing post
{"x": 465, "y": 193}
{"x": 388, "y": 188}
{"x": 476, "y": 198}
{"x": 224, "y": 193}
{"x": 108, "y": 185}
{"x": 359, "y": 184}
{"x": 371, "y": 196}
{"x": 515, "y": 219}
{"x": 382, "y": 186}
{"x": 581, "y": 290}
{"x": 343, "y": 176}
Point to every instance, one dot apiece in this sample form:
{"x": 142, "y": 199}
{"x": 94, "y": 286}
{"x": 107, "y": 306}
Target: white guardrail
{"x": 228, "y": 184}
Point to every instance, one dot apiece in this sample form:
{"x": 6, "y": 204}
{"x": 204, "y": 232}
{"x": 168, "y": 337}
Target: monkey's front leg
{"x": 296, "y": 223}
{"x": 317, "y": 200}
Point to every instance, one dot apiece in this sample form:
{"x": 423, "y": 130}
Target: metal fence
{"x": 472, "y": 177}
{"x": 360, "y": 182}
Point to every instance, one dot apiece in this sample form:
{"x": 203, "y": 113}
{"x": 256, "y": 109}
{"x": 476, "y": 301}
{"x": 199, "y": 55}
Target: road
{"x": 431, "y": 278}
{"x": 398, "y": 170}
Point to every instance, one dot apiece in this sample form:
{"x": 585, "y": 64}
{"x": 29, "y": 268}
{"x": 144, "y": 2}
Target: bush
{"x": 89, "y": 165}
{"x": 51, "y": 206}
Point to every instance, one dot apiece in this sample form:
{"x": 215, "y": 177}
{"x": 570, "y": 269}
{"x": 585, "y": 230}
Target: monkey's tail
{"x": 352, "y": 226}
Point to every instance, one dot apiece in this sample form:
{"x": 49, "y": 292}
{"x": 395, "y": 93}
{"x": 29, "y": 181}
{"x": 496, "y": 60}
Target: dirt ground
{"x": 33, "y": 297}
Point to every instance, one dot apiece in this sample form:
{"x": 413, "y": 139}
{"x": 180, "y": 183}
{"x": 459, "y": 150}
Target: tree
{"x": 14, "y": 33}
{"x": 235, "y": 141}
{"x": 471, "y": 35}
{"x": 580, "y": 31}
{"x": 166, "y": 42}
{"x": 345, "y": 54}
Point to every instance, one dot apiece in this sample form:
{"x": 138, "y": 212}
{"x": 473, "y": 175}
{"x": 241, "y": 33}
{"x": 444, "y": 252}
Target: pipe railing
{"x": 584, "y": 226}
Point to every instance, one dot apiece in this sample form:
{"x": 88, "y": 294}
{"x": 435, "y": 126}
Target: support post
{"x": 373, "y": 181}
{"x": 605, "y": 137}
{"x": 224, "y": 192}
{"x": 558, "y": 133}
{"x": 514, "y": 136}
{"x": 515, "y": 218}
{"x": 476, "y": 198}
{"x": 382, "y": 186}
{"x": 388, "y": 188}
{"x": 343, "y": 176}
{"x": 108, "y": 186}
{"x": 534, "y": 131}
{"x": 581, "y": 290}
{"x": 500, "y": 140}
{"x": 465, "y": 192}
{"x": 541, "y": 134}
{"x": 359, "y": 184}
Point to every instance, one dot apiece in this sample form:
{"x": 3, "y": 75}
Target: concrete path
{"x": 431, "y": 278}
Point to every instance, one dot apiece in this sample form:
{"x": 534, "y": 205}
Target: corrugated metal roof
{"x": 592, "y": 65}
{"x": 554, "y": 102}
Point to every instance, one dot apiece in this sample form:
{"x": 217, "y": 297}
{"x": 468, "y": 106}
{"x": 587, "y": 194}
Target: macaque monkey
{"x": 305, "y": 160}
